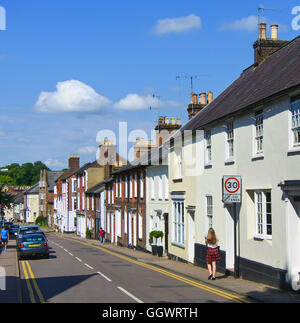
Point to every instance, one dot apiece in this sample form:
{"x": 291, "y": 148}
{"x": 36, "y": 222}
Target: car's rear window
{"x": 36, "y": 238}
{"x": 28, "y": 229}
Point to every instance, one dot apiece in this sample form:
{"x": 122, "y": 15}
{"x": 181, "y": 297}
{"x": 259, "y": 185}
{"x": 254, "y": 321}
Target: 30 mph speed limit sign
{"x": 232, "y": 189}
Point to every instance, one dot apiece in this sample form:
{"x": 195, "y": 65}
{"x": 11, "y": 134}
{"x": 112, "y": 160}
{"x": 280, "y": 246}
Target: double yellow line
{"x": 224, "y": 294}
{"x": 31, "y": 283}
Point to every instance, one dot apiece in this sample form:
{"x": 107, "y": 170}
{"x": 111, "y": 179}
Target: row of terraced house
{"x": 251, "y": 130}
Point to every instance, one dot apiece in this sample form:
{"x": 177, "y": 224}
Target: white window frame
{"x": 141, "y": 186}
{"x": 295, "y": 123}
{"x": 130, "y": 187}
{"x": 209, "y": 211}
{"x": 140, "y": 226}
{"x": 135, "y": 186}
{"x": 126, "y": 187}
{"x": 160, "y": 186}
{"x": 125, "y": 222}
{"x": 259, "y": 132}
{"x": 229, "y": 141}
{"x": 178, "y": 222}
{"x": 152, "y": 185}
{"x": 261, "y": 214}
{"x": 166, "y": 182}
{"x": 208, "y": 147}
{"x": 74, "y": 185}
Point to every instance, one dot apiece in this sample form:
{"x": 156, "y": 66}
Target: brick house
{"x": 46, "y": 193}
{"x": 61, "y": 201}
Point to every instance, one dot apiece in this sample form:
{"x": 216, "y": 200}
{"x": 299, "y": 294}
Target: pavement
{"x": 251, "y": 290}
{"x": 10, "y": 288}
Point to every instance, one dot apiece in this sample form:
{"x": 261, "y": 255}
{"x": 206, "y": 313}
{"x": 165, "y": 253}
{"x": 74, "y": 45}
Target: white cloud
{"x": 249, "y": 24}
{"x": 138, "y": 102}
{"x": 87, "y": 150}
{"x": 71, "y": 96}
{"x": 177, "y": 25}
{"x": 54, "y": 164}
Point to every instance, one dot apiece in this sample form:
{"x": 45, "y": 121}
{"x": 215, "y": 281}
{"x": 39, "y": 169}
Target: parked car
{"x": 13, "y": 231}
{"x": 33, "y": 245}
{"x": 27, "y": 228}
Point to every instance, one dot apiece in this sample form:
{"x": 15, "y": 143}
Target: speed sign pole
{"x": 232, "y": 195}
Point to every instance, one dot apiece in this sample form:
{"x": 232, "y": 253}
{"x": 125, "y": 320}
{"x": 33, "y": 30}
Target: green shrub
{"x": 156, "y": 235}
{"x": 88, "y": 233}
{"x": 41, "y": 221}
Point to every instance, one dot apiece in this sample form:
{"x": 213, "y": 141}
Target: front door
{"x": 166, "y": 235}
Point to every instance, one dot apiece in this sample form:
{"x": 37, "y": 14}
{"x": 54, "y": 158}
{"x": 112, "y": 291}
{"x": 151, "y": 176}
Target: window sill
{"x": 261, "y": 238}
{"x": 258, "y": 157}
{"x": 229, "y": 161}
{"x": 175, "y": 244}
{"x": 208, "y": 165}
{"x": 294, "y": 150}
{"x": 177, "y": 180}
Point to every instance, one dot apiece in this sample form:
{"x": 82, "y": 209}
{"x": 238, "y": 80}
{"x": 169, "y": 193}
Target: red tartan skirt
{"x": 212, "y": 255}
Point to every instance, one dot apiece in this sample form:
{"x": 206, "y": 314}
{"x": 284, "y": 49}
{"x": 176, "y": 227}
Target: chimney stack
{"x": 167, "y": 126}
{"x": 73, "y": 162}
{"x": 196, "y": 106}
{"x": 265, "y": 47}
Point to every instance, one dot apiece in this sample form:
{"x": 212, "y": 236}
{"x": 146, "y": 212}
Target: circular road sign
{"x": 232, "y": 185}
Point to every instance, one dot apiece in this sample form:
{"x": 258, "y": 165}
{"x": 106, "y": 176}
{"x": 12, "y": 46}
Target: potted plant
{"x": 156, "y": 250}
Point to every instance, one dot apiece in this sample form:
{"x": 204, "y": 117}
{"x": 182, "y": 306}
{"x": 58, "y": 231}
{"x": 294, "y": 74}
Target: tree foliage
{"x": 6, "y": 199}
{"x": 22, "y": 175}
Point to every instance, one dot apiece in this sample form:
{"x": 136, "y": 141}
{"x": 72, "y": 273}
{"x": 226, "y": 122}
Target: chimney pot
{"x": 210, "y": 97}
{"x": 263, "y": 31}
{"x": 274, "y": 32}
{"x": 194, "y": 98}
{"x": 202, "y": 98}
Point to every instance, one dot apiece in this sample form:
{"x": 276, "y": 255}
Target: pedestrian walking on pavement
{"x": 4, "y": 238}
{"x": 212, "y": 254}
{"x": 101, "y": 235}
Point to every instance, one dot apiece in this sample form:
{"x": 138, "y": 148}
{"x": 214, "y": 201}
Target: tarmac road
{"x": 80, "y": 273}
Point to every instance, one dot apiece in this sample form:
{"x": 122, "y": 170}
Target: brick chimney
{"x": 196, "y": 106}
{"x": 265, "y": 47}
{"x": 73, "y": 162}
{"x": 166, "y": 127}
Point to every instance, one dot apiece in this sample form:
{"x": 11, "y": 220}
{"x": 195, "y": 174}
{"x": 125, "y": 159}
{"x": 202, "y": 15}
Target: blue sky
{"x": 70, "y": 69}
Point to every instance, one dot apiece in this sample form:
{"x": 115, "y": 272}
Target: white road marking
{"x": 70, "y": 254}
{"x": 130, "y": 295}
{"x": 66, "y": 250}
{"x": 105, "y": 277}
{"x": 78, "y": 259}
{"x": 89, "y": 266}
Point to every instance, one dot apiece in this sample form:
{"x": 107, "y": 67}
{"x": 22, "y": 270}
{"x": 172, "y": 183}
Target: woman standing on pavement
{"x": 213, "y": 253}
